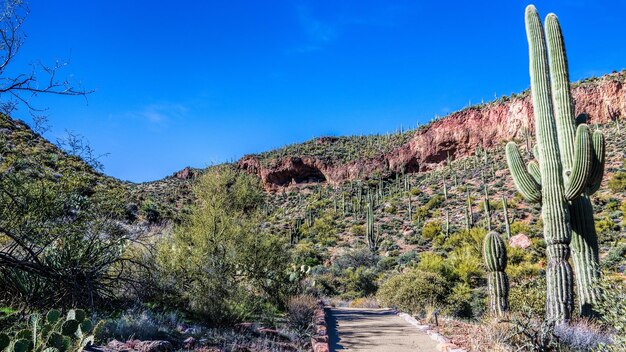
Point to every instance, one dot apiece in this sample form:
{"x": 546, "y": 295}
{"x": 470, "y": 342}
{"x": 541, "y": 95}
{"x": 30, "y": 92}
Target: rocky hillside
{"x": 459, "y": 134}
{"x": 19, "y": 141}
{"x": 335, "y": 160}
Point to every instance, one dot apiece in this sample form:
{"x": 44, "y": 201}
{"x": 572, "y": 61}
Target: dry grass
{"x": 301, "y": 310}
{"x": 365, "y": 302}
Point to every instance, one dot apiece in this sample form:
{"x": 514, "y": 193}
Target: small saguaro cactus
{"x": 494, "y": 253}
{"x": 507, "y": 223}
{"x": 565, "y": 158}
{"x": 372, "y": 235}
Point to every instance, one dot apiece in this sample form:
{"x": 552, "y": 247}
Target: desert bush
{"x": 581, "y": 336}
{"x": 615, "y": 257}
{"x": 434, "y": 263}
{"x": 431, "y": 229}
{"x": 604, "y": 227}
{"x": 140, "y": 323}
{"x": 150, "y": 211}
{"x": 359, "y": 282}
{"x": 612, "y": 309}
{"x": 305, "y": 253}
{"x": 459, "y": 301}
{"x": 365, "y": 302}
{"x": 355, "y": 258}
{"x": 472, "y": 239}
{"x": 413, "y": 291}
{"x": 358, "y": 230}
{"x": 466, "y": 265}
{"x": 529, "y": 295}
{"x": 300, "y": 313}
{"x": 386, "y": 263}
{"x": 61, "y": 239}
{"x": 518, "y": 227}
{"x": 617, "y": 183}
{"x": 407, "y": 258}
{"x": 217, "y": 264}
{"x": 529, "y": 332}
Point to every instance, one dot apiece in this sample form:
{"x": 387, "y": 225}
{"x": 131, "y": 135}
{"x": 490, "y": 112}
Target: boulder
{"x": 520, "y": 241}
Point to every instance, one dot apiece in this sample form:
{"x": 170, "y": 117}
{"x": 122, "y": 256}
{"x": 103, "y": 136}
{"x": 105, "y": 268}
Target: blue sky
{"x": 199, "y": 82}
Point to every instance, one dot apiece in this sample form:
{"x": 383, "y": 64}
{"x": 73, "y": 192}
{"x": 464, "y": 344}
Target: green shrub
{"x": 612, "y": 309}
{"x": 466, "y": 265}
{"x": 60, "y": 230}
{"x": 414, "y": 291}
{"x": 359, "y": 282}
{"x": 305, "y": 253}
{"x": 386, "y": 263}
{"x": 150, "y": 211}
{"x": 358, "y": 230}
{"x": 528, "y": 295}
{"x": 617, "y": 183}
{"x": 459, "y": 301}
{"x": 431, "y": 229}
{"x": 434, "y": 263}
{"x": 213, "y": 259}
{"x": 604, "y": 227}
{"x": 518, "y": 227}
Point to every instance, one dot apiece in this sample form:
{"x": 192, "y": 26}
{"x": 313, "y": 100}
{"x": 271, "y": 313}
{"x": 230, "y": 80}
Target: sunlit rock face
{"x": 458, "y": 134}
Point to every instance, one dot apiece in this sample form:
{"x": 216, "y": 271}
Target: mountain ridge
{"x": 456, "y": 135}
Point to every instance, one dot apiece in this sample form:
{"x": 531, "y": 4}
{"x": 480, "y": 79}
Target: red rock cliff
{"x": 459, "y": 134}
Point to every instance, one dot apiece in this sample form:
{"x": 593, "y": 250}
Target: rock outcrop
{"x": 458, "y": 134}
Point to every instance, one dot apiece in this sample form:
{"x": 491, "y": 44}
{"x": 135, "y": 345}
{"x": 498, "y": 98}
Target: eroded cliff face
{"x": 458, "y": 134}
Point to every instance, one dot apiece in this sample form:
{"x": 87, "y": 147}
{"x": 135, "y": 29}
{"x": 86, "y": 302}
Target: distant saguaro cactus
{"x": 372, "y": 235}
{"x": 494, "y": 254}
{"x": 507, "y": 224}
{"x": 566, "y": 160}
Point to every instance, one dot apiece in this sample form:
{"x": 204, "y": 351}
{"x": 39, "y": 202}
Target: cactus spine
{"x": 564, "y": 155}
{"x": 494, "y": 254}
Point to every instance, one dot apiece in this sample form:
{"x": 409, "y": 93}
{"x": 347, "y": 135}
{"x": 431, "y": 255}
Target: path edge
{"x": 319, "y": 340}
{"x": 444, "y": 343}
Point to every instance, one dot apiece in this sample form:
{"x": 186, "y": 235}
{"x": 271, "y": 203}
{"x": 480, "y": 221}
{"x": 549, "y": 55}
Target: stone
{"x": 447, "y": 347}
{"x": 154, "y": 346}
{"x": 520, "y": 241}
{"x": 189, "y": 343}
{"x": 320, "y": 347}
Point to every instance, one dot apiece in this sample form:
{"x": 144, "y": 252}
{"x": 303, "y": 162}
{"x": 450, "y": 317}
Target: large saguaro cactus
{"x": 494, "y": 254}
{"x": 565, "y": 157}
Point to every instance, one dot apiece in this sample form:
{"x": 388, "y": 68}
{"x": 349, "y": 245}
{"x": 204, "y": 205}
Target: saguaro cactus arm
{"x": 597, "y": 169}
{"x": 533, "y": 170}
{"x": 576, "y": 181}
{"x": 524, "y": 181}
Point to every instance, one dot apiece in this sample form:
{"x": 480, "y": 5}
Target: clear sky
{"x": 187, "y": 82}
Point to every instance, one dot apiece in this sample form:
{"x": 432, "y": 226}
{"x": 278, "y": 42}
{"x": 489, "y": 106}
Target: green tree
{"x": 219, "y": 263}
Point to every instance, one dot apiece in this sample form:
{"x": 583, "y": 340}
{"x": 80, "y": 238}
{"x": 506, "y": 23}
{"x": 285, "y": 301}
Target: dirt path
{"x": 356, "y": 329}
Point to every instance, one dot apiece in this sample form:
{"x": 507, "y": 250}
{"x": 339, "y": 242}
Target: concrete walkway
{"x": 361, "y": 329}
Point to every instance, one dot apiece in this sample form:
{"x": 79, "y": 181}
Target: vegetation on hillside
{"x": 191, "y": 260}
